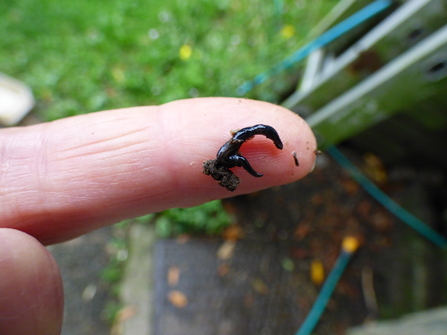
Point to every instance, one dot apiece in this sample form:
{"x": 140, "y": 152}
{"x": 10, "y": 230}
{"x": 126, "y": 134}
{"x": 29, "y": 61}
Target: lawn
{"x": 83, "y": 56}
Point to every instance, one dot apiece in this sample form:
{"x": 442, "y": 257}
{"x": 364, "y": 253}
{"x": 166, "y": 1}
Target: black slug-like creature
{"x": 228, "y": 156}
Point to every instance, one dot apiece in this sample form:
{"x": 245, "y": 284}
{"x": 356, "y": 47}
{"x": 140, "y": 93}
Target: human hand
{"x": 62, "y": 179}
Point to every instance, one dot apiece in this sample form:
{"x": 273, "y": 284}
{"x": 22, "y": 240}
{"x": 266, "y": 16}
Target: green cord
{"x": 387, "y": 202}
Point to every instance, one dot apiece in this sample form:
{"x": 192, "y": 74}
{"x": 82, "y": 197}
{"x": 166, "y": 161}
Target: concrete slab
{"x": 432, "y": 322}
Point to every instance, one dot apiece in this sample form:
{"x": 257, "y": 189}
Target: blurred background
{"x": 253, "y": 264}
{"x": 92, "y": 55}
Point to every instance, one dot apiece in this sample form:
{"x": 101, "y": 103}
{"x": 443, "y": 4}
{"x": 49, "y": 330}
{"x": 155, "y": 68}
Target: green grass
{"x": 206, "y": 219}
{"x": 88, "y": 55}
{"x": 209, "y": 218}
{"x": 83, "y": 56}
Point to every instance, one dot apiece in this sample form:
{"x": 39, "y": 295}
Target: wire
{"x": 351, "y": 22}
{"x": 386, "y": 201}
{"x": 349, "y": 246}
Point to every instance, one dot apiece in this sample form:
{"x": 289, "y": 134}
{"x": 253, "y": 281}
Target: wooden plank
{"x": 340, "y": 12}
{"x": 419, "y": 74}
{"x": 410, "y": 24}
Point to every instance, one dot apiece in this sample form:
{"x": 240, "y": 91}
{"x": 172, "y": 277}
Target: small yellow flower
{"x": 350, "y": 244}
{"x": 287, "y": 31}
{"x": 118, "y": 74}
{"x": 185, "y": 52}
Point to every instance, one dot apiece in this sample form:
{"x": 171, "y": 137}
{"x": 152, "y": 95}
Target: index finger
{"x": 65, "y": 178}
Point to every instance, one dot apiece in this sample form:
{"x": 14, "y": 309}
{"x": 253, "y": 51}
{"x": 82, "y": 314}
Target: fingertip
{"x": 278, "y": 165}
{"x": 31, "y": 294}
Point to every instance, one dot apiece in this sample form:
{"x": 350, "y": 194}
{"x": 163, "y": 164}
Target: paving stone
{"x": 202, "y": 289}
{"x": 81, "y": 261}
{"x": 432, "y": 322}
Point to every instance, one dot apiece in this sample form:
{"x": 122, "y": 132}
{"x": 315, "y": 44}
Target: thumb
{"x": 31, "y": 296}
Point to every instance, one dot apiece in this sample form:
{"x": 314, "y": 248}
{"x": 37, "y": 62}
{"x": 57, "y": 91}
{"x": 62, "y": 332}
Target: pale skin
{"x": 62, "y": 179}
